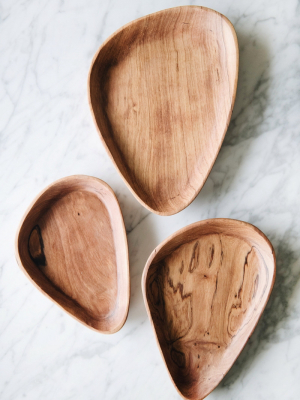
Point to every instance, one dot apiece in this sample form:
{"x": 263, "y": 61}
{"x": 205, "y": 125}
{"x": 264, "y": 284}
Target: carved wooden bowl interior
{"x": 205, "y": 288}
{"x": 162, "y": 90}
{"x": 72, "y": 244}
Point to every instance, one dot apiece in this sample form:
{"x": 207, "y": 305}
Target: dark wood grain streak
{"x": 204, "y": 314}
{"x": 36, "y": 247}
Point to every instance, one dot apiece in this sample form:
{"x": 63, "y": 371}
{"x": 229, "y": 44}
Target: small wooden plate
{"x": 162, "y": 90}
{"x": 205, "y": 288}
{"x": 72, "y": 245}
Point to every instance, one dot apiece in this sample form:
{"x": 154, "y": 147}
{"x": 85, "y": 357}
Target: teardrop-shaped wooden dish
{"x": 162, "y": 90}
{"x": 205, "y": 288}
{"x": 72, "y": 244}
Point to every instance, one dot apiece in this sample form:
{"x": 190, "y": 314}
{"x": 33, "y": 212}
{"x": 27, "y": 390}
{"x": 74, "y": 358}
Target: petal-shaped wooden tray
{"x": 72, "y": 244}
{"x": 162, "y": 90}
{"x": 205, "y": 288}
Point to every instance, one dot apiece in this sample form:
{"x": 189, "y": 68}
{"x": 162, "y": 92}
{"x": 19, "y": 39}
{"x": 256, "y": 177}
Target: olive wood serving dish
{"x": 205, "y": 288}
{"x": 162, "y": 90}
{"x": 72, "y": 245}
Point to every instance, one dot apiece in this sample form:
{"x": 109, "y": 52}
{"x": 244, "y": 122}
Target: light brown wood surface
{"x": 205, "y": 288}
{"x": 162, "y": 90}
{"x": 72, "y": 244}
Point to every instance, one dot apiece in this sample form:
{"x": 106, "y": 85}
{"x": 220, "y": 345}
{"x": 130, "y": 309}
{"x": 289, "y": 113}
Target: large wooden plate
{"x": 205, "y": 288}
{"x": 162, "y": 90}
{"x": 72, "y": 244}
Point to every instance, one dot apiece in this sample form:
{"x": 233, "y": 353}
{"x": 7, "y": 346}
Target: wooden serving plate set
{"x": 161, "y": 90}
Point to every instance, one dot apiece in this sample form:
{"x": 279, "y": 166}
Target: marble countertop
{"x": 47, "y": 132}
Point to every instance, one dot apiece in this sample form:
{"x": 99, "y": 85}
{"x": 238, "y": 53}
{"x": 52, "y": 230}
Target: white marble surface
{"x": 47, "y": 133}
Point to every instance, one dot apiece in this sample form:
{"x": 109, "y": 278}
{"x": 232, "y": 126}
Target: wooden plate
{"x": 205, "y": 288}
{"x": 162, "y": 90}
{"x": 72, "y": 244}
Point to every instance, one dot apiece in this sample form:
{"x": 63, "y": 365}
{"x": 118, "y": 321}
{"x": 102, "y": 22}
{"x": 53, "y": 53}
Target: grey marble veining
{"x": 47, "y": 133}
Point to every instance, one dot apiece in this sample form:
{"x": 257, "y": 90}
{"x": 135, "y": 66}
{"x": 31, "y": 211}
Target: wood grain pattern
{"x": 205, "y": 288}
{"x": 162, "y": 90}
{"x": 72, "y": 244}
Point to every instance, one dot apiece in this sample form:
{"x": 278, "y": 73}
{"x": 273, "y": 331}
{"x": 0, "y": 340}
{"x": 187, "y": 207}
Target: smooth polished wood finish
{"x": 72, "y": 244}
{"x": 205, "y": 288}
{"x": 162, "y": 90}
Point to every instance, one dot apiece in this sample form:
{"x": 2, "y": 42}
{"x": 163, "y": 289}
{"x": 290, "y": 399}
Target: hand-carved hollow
{"x": 205, "y": 288}
{"x": 162, "y": 90}
{"x": 72, "y": 244}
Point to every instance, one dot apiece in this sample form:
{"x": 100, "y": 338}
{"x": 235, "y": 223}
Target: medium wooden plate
{"x": 72, "y": 245}
{"x": 162, "y": 90}
{"x": 205, "y": 288}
